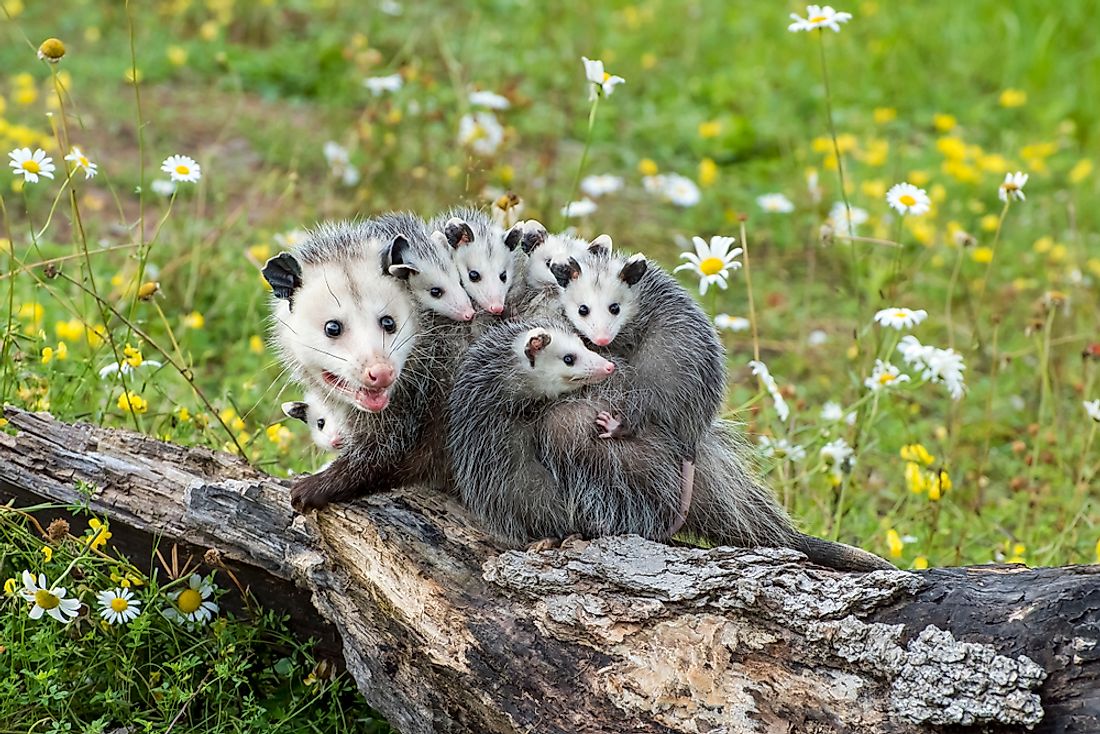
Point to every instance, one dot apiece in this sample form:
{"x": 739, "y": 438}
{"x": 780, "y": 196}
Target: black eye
{"x": 614, "y": 309}
{"x": 388, "y": 324}
{"x": 569, "y": 359}
{"x": 474, "y": 276}
{"x": 583, "y": 310}
{"x": 333, "y": 329}
{"x": 320, "y": 424}
{"x": 436, "y": 292}
{"x": 504, "y": 277}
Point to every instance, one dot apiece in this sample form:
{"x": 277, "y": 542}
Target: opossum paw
{"x": 544, "y": 544}
{"x": 611, "y": 427}
{"x": 313, "y": 493}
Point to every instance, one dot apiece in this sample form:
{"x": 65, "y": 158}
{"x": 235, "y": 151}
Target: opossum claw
{"x": 612, "y": 426}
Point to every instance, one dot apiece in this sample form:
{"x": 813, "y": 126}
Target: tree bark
{"x": 443, "y": 632}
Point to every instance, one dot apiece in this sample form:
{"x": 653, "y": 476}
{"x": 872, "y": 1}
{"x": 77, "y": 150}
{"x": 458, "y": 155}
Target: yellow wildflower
{"x": 647, "y": 167}
{"x": 47, "y": 355}
{"x": 883, "y": 115}
{"x": 649, "y": 60}
{"x": 69, "y": 330}
{"x": 1043, "y": 244}
{"x": 989, "y": 222}
{"x": 10, "y": 586}
{"x": 183, "y": 414}
{"x": 62, "y": 351}
{"x": 708, "y": 172}
{"x": 47, "y": 552}
{"x": 1080, "y": 171}
{"x": 98, "y": 533}
{"x": 260, "y": 252}
{"x": 961, "y": 171}
{"x": 983, "y": 255}
{"x": 1038, "y": 150}
{"x": 177, "y": 55}
{"x": 918, "y": 178}
{"x": 994, "y": 163}
{"x": 914, "y": 478}
{"x": 1017, "y": 555}
{"x": 873, "y": 189}
{"x": 943, "y": 122}
{"x": 920, "y": 563}
{"x": 877, "y": 152}
{"x": 939, "y": 483}
{"x": 1013, "y": 98}
{"x": 31, "y": 313}
{"x": 1098, "y": 551}
{"x": 1058, "y": 253}
{"x": 131, "y": 402}
{"x": 710, "y": 129}
{"x": 194, "y": 320}
{"x": 256, "y": 344}
{"x": 951, "y": 147}
{"x": 894, "y": 543}
{"x": 132, "y": 356}
{"x": 916, "y": 452}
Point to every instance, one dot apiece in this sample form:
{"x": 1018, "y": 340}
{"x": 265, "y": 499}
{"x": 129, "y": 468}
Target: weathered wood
{"x": 445, "y": 633}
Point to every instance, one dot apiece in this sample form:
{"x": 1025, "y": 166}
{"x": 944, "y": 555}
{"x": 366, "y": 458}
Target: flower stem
{"x": 951, "y": 297}
{"x": 584, "y": 158}
{"x": 748, "y": 288}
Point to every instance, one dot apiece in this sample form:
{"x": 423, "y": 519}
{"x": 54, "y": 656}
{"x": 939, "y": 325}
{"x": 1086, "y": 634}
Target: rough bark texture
{"x": 445, "y": 633}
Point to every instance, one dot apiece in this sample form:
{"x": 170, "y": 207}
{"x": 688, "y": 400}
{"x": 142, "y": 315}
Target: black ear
{"x": 534, "y": 234}
{"x": 284, "y": 274}
{"x": 295, "y": 409}
{"x": 601, "y": 246}
{"x": 565, "y": 273}
{"x": 633, "y": 269}
{"x": 514, "y": 236}
{"x": 394, "y": 258}
{"x": 537, "y": 340}
{"x": 458, "y": 232}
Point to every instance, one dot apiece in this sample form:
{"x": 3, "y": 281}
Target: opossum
{"x": 348, "y": 329}
{"x": 484, "y": 254}
{"x": 524, "y": 446}
{"x": 424, "y": 263}
{"x": 329, "y": 424}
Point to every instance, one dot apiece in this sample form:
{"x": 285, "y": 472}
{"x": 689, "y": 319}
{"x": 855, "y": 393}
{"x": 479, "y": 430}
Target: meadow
{"x": 965, "y": 435}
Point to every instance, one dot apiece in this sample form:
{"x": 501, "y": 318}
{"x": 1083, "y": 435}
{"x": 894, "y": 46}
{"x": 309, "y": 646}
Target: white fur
{"x": 597, "y": 289}
{"x": 329, "y": 424}
{"x": 354, "y": 292}
{"x": 443, "y": 275}
{"x": 487, "y": 259}
{"x": 557, "y": 248}
{"x": 550, "y": 376}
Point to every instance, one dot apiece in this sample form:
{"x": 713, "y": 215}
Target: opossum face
{"x": 599, "y": 295}
{"x": 432, "y": 277}
{"x": 486, "y": 263}
{"x": 345, "y": 329}
{"x": 328, "y": 425}
{"x": 557, "y": 361}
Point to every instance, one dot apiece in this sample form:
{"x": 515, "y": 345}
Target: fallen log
{"x": 443, "y": 632}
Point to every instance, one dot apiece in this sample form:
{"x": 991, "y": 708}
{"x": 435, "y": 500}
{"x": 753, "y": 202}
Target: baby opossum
{"x": 484, "y": 254}
{"x": 350, "y": 331}
{"x": 524, "y": 447}
{"x": 328, "y": 424}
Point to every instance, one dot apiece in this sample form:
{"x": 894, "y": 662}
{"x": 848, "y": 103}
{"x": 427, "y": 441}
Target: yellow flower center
{"x": 183, "y": 170}
{"x": 885, "y": 378}
{"x": 1010, "y": 187}
{"x": 818, "y": 19}
{"x": 900, "y": 314}
{"x": 907, "y": 199}
{"x": 119, "y": 604}
{"x": 31, "y": 166}
{"x": 189, "y": 601}
{"x": 712, "y": 266}
{"x": 83, "y": 161}
{"x": 46, "y": 600}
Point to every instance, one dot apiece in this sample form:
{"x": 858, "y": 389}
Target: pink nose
{"x": 496, "y": 308}
{"x": 602, "y": 341}
{"x": 609, "y": 367}
{"x": 337, "y": 442}
{"x": 467, "y": 315}
{"x": 380, "y": 375}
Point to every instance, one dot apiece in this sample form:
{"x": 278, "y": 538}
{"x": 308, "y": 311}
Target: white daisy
{"x": 581, "y": 208}
{"x": 163, "y": 187}
{"x": 817, "y": 337}
{"x": 775, "y": 203}
{"x": 381, "y": 84}
{"x": 190, "y": 606}
{"x": 31, "y": 165}
{"x": 731, "y": 323}
{"x": 883, "y": 376}
{"x": 118, "y": 606}
{"x": 182, "y": 169}
{"x": 1013, "y": 187}
{"x": 674, "y": 188}
{"x": 391, "y": 7}
{"x": 1092, "y": 407}
{"x": 601, "y": 80}
{"x": 838, "y": 217}
{"x": 761, "y": 371}
{"x": 781, "y": 449}
{"x": 839, "y": 455}
{"x": 908, "y": 199}
{"x": 818, "y": 16}
{"x": 937, "y": 365}
{"x": 491, "y": 100}
{"x": 81, "y": 162}
{"x": 48, "y": 599}
{"x": 832, "y": 413}
{"x": 713, "y": 262}
{"x": 124, "y": 367}
{"x": 595, "y": 186}
{"x": 900, "y": 318}
{"x": 480, "y": 132}
{"x": 339, "y": 161}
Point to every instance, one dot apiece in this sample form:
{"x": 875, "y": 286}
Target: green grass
{"x": 265, "y": 85}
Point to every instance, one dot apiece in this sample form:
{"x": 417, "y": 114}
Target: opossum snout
{"x": 337, "y": 442}
{"x": 495, "y": 308}
{"x": 379, "y": 375}
{"x": 466, "y": 315}
{"x": 609, "y": 368}
{"x": 602, "y": 340}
